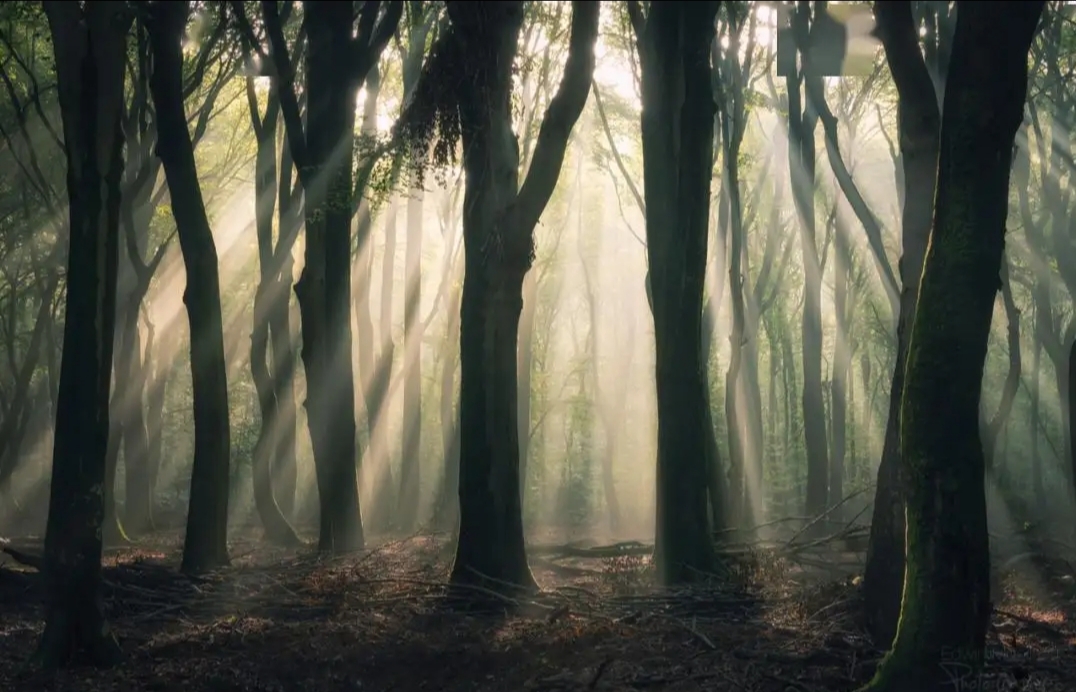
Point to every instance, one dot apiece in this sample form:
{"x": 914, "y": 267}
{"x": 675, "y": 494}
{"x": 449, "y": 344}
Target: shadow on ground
{"x": 280, "y": 621}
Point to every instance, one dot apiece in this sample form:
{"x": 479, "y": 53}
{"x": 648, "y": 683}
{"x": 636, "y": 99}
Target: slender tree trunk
{"x": 919, "y": 123}
{"x": 130, "y": 385}
{"x": 993, "y": 428}
{"x": 740, "y": 511}
{"x": 386, "y": 510}
{"x": 285, "y": 465}
{"x": 419, "y": 23}
{"x": 156, "y": 389}
{"x": 277, "y": 528}
{"x": 447, "y": 512}
{"x": 206, "y": 543}
{"x": 89, "y": 46}
{"x": 789, "y": 380}
{"x": 842, "y": 358}
{"x": 801, "y": 146}
{"x": 410, "y": 456}
{"x": 1036, "y": 460}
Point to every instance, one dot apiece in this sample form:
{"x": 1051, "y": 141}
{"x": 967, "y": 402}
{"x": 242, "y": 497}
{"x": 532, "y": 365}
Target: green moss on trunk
{"x": 946, "y": 604}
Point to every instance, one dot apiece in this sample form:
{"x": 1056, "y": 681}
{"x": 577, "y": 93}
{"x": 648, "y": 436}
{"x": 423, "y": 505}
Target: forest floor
{"x": 284, "y": 621}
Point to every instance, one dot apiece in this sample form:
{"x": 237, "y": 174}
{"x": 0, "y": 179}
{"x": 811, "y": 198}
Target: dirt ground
{"x": 286, "y": 621}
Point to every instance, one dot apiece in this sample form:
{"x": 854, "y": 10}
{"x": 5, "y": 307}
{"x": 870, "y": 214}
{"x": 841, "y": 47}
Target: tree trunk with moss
{"x": 468, "y": 79}
{"x": 89, "y": 47}
{"x": 206, "y": 544}
{"x": 677, "y": 135}
{"x": 946, "y": 605}
{"x": 919, "y": 122}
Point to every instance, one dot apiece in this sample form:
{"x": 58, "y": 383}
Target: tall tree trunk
{"x": 206, "y": 543}
{"x": 410, "y": 455}
{"x": 130, "y": 386}
{"x": 740, "y": 511}
{"x": 112, "y": 525}
{"x": 12, "y": 430}
{"x": 608, "y": 422}
{"x": 801, "y": 147}
{"x": 386, "y": 510}
{"x": 338, "y": 62}
{"x": 136, "y": 210}
{"x": 788, "y": 363}
{"x": 992, "y": 428}
{"x": 324, "y": 287}
{"x": 447, "y": 508}
{"x": 277, "y": 528}
{"x": 411, "y": 451}
{"x": 525, "y": 368}
{"x": 89, "y": 45}
{"x": 1036, "y": 459}
{"x": 156, "y": 388}
{"x": 842, "y": 361}
{"x": 946, "y": 604}
{"x": 729, "y": 87}
{"x": 285, "y": 465}
{"x": 677, "y": 134}
{"x": 498, "y": 227}
{"x": 919, "y": 121}
{"x": 374, "y": 353}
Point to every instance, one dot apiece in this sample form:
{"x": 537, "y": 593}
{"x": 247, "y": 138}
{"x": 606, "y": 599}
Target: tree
{"x": 731, "y": 77}
{"x": 419, "y": 23}
{"x": 271, "y": 377}
{"x": 919, "y": 123}
{"x": 90, "y": 49}
{"x": 206, "y": 544}
{"x": 338, "y": 62}
{"x": 135, "y": 420}
{"x": 464, "y": 94}
{"x": 677, "y": 133}
{"x": 802, "y": 121}
{"x": 946, "y": 604}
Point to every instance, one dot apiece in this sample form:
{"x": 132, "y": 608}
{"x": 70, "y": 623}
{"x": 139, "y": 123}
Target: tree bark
{"x": 801, "y": 145}
{"x": 498, "y": 229}
{"x": 267, "y": 294}
{"x": 285, "y": 466}
{"x": 338, "y": 62}
{"x": 206, "y": 544}
{"x": 1036, "y": 458}
{"x": 324, "y": 287}
{"x": 946, "y": 606}
{"x": 919, "y": 122}
{"x": 89, "y": 46}
{"x": 677, "y": 135}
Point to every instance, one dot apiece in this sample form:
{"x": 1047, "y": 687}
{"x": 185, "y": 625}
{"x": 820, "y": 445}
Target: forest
{"x": 517, "y": 346}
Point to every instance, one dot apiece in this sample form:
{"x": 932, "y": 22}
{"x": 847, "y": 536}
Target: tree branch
{"x": 561, "y": 115}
